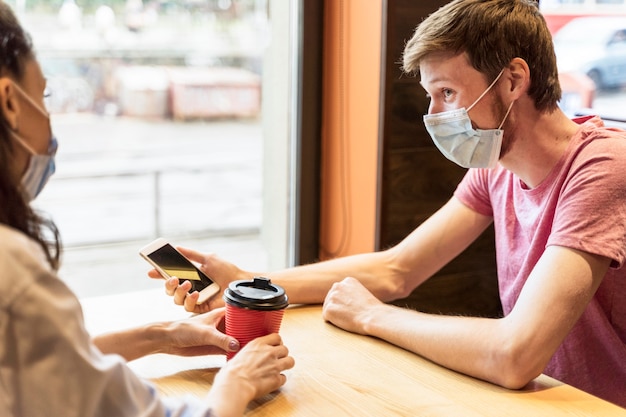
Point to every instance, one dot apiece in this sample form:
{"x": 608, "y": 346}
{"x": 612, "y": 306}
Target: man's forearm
{"x": 309, "y": 284}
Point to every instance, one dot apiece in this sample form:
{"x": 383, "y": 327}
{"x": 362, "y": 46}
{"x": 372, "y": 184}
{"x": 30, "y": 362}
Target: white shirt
{"x": 48, "y": 365}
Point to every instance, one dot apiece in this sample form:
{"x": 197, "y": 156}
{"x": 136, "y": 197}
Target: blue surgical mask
{"x": 454, "y": 136}
{"x": 40, "y": 167}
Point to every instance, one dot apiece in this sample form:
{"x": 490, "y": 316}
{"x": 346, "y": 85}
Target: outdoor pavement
{"x": 121, "y": 182}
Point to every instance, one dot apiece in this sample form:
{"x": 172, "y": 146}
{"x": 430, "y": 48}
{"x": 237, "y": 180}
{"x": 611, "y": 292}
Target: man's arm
{"x": 388, "y": 274}
{"x": 395, "y": 272}
{"x": 510, "y": 351}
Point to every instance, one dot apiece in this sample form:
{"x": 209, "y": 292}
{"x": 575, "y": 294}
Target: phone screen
{"x": 175, "y": 264}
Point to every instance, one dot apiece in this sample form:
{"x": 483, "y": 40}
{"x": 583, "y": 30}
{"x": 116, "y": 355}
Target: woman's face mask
{"x": 454, "y": 136}
{"x": 40, "y": 167}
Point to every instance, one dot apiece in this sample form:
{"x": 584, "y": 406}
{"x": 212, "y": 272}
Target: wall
{"x": 416, "y": 179}
{"x": 352, "y": 42}
{"x": 381, "y": 174}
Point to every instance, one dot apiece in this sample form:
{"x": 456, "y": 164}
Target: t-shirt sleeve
{"x": 473, "y": 191}
{"x": 591, "y": 212}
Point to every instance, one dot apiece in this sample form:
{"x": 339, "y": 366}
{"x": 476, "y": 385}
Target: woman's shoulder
{"x": 15, "y": 244}
{"x": 21, "y": 262}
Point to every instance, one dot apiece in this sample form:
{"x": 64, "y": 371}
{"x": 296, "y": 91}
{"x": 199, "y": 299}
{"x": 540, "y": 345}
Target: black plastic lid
{"x": 256, "y": 294}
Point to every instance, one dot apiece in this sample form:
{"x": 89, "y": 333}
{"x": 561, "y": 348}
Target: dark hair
{"x": 15, "y": 211}
{"x": 492, "y": 33}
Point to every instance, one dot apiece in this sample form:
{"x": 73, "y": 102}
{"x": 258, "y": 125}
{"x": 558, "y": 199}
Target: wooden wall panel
{"x": 416, "y": 180}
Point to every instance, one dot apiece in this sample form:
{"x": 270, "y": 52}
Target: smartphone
{"x": 170, "y": 262}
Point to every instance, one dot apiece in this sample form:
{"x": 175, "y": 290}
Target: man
{"x": 553, "y": 187}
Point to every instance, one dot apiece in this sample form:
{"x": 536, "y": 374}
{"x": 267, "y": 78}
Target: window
{"x": 590, "y": 43}
{"x": 157, "y": 106}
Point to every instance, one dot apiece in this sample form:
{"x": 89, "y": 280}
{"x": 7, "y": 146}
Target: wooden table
{"x": 342, "y": 374}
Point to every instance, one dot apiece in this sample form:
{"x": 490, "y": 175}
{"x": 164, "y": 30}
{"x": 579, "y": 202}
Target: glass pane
{"x": 157, "y": 109}
{"x": 590, "y": 44}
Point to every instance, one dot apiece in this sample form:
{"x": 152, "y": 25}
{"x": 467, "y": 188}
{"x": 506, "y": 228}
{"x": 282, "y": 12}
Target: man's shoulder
{"x": 594, "y": 139}
{"x": 596, "y": 128}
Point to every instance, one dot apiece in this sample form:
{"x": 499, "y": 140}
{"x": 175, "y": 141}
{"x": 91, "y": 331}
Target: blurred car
{"x": 595, "y": 46}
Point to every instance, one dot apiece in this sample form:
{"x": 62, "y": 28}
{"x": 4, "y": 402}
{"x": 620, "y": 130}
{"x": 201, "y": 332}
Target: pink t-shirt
{"x": 580, "y": 205}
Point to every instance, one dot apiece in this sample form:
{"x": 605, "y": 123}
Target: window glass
{"x": 156, "y": 105}
{"x": 590, "y": 44}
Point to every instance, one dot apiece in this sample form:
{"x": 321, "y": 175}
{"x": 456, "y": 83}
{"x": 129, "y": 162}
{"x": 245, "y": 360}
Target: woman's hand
{"x": 254, "y": 372}
{"x": 198, "y": 335}
{"x": 219, "y": 270}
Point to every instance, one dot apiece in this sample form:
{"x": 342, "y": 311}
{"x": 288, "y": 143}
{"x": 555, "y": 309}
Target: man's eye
{"x": 447, "y": 92}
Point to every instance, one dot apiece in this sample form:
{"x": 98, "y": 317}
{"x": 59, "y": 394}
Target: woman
{"x": 49, "y": 365}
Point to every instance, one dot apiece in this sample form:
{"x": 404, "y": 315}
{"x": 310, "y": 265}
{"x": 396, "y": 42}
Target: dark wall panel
{"x": 416, "y": 179}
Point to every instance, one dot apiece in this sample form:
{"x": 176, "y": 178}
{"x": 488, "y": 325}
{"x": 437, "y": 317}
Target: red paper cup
{"x": 254, "y": 308}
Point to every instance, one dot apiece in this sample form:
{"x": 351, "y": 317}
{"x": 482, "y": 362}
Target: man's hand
{"x": 349, "y": 304}
{"x": 219, "y": 270}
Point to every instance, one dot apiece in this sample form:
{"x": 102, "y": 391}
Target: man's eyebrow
{"x": 441, "y": 78}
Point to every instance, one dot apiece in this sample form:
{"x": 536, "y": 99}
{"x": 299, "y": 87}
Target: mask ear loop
{"x": 31, "y": 101}
{"x": 38, "y": 108}
{"x": 486, "y": 91}
{"x": 23, "y": 143}
{"x": 506, "y": 115}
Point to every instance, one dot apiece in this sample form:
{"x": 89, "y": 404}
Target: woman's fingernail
{"x": 233, "y": 345}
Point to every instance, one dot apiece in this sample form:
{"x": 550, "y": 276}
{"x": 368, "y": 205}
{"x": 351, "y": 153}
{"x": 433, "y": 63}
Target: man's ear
{"x": 9, "y": 104}
{"x": 519, "y": 77}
